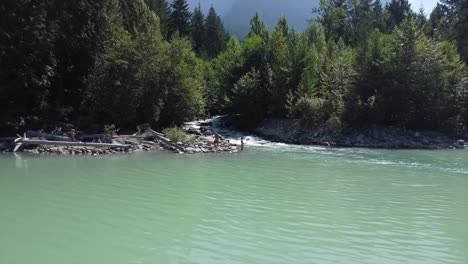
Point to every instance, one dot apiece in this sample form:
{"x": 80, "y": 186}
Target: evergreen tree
{"x": 229, "y": 67}
{"x": 127, "y": 87}
{"x": 362, "y": 21}
{"x": 439, "y": 23}
{"x": 76, "y": 46}
{"x": 215, "y": 34}
{"x": 378, "y": 20}
{"x": 180, "y": 18}
{"x": 258, "y": 27}
{"x": 457, "y": 15}
{"x": 279, "y": 59}
{"x": 462, "y": 29}
{"x": 185, "y": 84}
{"x": 397, "y": 10}
{"x": 27, "y": 62}
{"x": 198, "y": 31}
{"x": 333, "y": 16}
{"x": 282, "y": 26}
{"x": 162, "y": 10}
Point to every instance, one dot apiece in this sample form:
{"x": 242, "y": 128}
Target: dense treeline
{"x": 127, "y": 62}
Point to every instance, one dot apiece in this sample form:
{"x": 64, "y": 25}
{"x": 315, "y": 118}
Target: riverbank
{"x": 290, "y": 132}
{"x": 198, "y": 140}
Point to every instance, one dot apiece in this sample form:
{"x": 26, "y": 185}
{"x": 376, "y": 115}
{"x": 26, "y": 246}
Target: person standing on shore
{"x": 242, "y": 144}
{"x": 72, "y": 134}
{"x": 217, "y": 139}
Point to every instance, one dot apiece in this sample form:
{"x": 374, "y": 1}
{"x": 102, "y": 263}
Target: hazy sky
{"x": 427, "y": 4}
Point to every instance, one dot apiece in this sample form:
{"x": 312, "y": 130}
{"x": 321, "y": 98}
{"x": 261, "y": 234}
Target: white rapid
{"x": 234, "y": 136}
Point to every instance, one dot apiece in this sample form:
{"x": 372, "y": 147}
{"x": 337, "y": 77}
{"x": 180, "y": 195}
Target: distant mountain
{"x": 236, "y": 14}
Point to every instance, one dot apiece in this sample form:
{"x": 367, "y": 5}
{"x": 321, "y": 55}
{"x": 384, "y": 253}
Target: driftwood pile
{"x": 99, "y": 144}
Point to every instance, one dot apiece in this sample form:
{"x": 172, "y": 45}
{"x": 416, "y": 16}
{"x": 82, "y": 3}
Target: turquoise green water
{"x": 266, "y": 205}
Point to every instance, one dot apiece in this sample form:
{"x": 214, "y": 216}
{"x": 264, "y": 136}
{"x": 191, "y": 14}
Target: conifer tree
{"x": 215, "y": 34}
{"x": 457, "y": 14}
{"x": 283, "y": 26}
{"x": 27, "y": 62}
{"x": 398, "y": 10}
{"x": 180, "y": 18}
{"x": 378, "y": 20}
{"x": 258, "y": 27}
{"x": 362, "y": 21}
{"x": 333, "y": 16}
{"x": 198, "y": 30}
{"x": 162, "y": 10}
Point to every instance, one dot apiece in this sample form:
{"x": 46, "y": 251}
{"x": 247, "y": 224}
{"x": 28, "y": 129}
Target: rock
{"x": 359, "y": 138}
{"x": 461, "y": 142}
{"x": 206, "y": 124}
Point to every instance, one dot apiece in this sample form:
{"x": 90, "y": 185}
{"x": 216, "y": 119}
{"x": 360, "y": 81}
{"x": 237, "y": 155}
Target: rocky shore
{"x": 289, "y": 131}
{"x": 201, "y": 141}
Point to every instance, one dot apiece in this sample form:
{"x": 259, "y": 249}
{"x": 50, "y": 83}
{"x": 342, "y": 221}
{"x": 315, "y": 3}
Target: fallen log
{"x": 24, "y": 141}
{"x": 92, "y": 136}
{"x": 165, "y": 140}
{"x": 47, "y": 136}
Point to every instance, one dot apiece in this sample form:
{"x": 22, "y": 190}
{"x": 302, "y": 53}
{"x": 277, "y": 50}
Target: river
{"x": 269, "y": 204}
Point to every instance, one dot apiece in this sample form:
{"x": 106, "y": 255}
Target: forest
{"x": 127, "y": 62}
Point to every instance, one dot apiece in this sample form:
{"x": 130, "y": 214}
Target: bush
{"x": 309, "y": 111}
{"x": 334, "y": 124}
{"x": 176, "y": 134}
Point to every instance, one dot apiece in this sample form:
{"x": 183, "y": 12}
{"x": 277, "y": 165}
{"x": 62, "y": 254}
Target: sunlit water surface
{"x": 270, "y": 204}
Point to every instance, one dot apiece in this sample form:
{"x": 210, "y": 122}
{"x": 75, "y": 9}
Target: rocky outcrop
{"x": 289, "y": 131}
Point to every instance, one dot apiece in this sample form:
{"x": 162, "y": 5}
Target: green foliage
{"x": 110, "y": 131}
{"x": 397, "y": 11}
{"x": 162, "y": 10}
{"x": 334, "y": 124}
{"x": 176, "y": 134}
{"x": 126, "y": 86}
{"x": 332, "y": 15}
{"x": 111, "y": 61}
{"x": 180, "y": 18}
{"x": 27, "y": 62}
{"x": 215, "y": 41}
{"x": 310, "y": 111}
{"x": 423, "y": 77}
{"x": 227, "y": 69}
{"x": 258, "y": 27}
{"x": 185, "y": 84}
{"x": 198, "y": 30}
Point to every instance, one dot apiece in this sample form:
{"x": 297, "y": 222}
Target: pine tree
{"x": 78, "y": 25}
{"x": 258, "y": 27}
{"x": 162, "y": 10}
{"x": 439, "y": 23}
{"x": 333, "y": 16}
{"x": 282, "y": 26}
{"x": 378, "y": 20}
{"x": 462, "y": 29}
{"x": 398, "y": 10}
{"x": 198, "y": 30}
{"x": 127, "y": 87}
{"x": 215, "y": 34}
{"x": 458, "y": 16}
{"x": 27, "y": 62}
{"x": 362, "y": 20}
{"x": 180, "y": 18}
{"x": 279, "y": 58}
